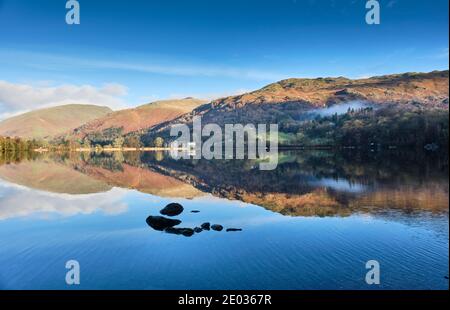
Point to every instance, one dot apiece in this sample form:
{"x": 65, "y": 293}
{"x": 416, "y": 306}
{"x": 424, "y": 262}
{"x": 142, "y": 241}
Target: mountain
{"x": 427, "y": 88}
{"x": 50, "y": 122}
{"x": 409, "y": 108}
{"x": 136, "y": 119}
{"x": 296, "y": 105}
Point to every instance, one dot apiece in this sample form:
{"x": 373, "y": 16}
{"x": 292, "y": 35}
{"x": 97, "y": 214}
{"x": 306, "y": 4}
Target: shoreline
{"x": 114, "y": 149}
{"x": 184, "y": 149}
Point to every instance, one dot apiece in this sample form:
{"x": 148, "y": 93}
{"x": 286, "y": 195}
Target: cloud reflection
{"x": 18, "y": 201}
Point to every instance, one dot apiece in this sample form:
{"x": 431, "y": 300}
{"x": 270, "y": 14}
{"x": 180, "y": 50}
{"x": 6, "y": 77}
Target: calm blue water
{"x": 117, "y": 250}
{"x": 108, "y": 235}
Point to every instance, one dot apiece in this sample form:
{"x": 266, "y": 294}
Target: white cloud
{"x": 17, "y": 98}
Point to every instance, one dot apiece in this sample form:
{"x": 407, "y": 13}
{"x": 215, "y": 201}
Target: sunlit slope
{"x": 142, "y": 117}
{"x": 51, "y": 122}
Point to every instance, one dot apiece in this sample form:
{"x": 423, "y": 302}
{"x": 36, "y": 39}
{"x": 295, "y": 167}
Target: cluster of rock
{"x": 167, "y": 225}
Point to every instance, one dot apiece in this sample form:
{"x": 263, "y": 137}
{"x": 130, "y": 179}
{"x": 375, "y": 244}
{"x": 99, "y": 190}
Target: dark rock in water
{"x": 172, "y": 209}
{"x": 161, "y": 223}
{"x": 187, "y": 232}
{"x": 446, "y": 277}
{"x": 206, "y": 226}
{"x": 173, "y": 230}
{"x": 234, "y": 229}
{"x": 198, "y": 230}
{"x": 217, "y": 227}
{"x": 195, "y": 211}
{"x": 180, "y": 231}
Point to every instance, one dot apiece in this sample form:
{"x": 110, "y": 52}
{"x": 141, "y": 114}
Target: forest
{"x": 368, "y": 127}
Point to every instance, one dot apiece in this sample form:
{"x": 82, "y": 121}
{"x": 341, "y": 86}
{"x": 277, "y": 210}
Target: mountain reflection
{"x": 305, "y": 183}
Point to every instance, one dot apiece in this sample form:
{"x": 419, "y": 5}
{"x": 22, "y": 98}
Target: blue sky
{"x": 126, "y": 53}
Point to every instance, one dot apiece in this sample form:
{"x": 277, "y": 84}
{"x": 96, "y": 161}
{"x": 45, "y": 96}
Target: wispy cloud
{"x": 166, "y": 67}
{"x": 189, "y": 70}
{"x": 442, "y": 54}
{"x": 439, "y": 54}
{"x": 18, "y": 98}
{"x": 209, "y": 96}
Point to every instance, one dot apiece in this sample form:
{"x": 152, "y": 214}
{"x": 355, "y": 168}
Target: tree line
{"x": 17, "y": 145}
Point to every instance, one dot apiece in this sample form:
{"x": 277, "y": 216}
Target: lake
{"x": 312, "y": 223}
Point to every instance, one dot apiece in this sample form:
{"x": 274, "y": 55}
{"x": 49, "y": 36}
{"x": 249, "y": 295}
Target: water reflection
{"x": 144, "y": 220}
{"x": 20, "y": 201}
{"x": 304, "y": 184}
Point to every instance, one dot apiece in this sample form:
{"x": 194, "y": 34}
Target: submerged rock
{"x": 234, "y": 229}
{"x": 172, "y": 209}
{"x": 205, "y": 226}
{"x": 217, "y": 227}
{"x": 195, "y": 211}
{"x": 161, "y": 223}
{"x": 187, "y": 232}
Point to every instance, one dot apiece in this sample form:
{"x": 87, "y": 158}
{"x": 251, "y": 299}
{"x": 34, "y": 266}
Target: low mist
{"x": 340, "y": 109}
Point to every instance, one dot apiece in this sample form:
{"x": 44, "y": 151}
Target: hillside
{"x": 136, "y": 119}
{"x": 297, "y": 105}
{"x": 399, "y": 109}
{"x": 427, "y": 88}
{"x": 50, "y": 122}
